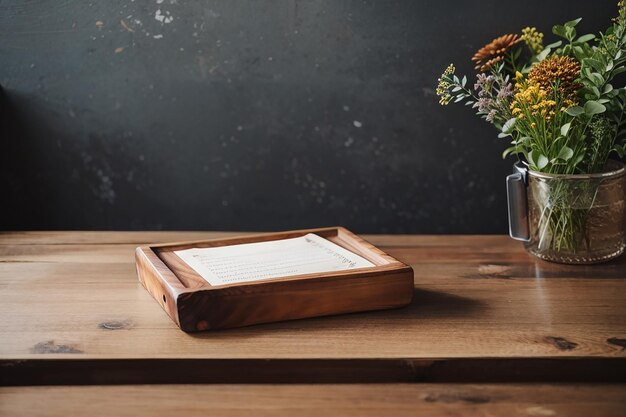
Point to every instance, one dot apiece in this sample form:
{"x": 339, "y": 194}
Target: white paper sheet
{"x": 267, "y": 260}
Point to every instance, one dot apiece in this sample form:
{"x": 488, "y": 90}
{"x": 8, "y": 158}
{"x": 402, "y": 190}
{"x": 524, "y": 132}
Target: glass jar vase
{"x": 577, "y": 219}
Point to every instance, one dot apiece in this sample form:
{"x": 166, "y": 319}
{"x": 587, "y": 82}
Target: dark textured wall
{"x": 252, "y": 115}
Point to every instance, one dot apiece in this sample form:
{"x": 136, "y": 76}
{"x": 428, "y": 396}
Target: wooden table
{"x": 490, "y": 331}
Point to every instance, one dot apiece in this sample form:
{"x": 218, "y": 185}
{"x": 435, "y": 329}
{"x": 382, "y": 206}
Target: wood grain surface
{"x": 432, "y": 400}
{"x": 482, "y": 310}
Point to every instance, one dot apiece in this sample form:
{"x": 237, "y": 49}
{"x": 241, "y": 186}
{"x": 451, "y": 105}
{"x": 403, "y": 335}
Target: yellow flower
{"x": 532, "y": 99}
{"x": 443, "y": 88}
{"x": 533, "y": 39}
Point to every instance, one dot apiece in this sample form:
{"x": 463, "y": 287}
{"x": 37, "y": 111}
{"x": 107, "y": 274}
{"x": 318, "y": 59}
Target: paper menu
{"x": 262, "y": 261}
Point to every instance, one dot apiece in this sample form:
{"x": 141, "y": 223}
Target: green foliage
{"x": 593, "y": 107}
{"x": 553, "y": 131}
{"x": 599, "y": 147}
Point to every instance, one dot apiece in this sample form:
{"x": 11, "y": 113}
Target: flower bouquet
{"x": 563, "y": 108}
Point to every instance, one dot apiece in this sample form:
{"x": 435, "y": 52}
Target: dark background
{"x": 253, "y": 115}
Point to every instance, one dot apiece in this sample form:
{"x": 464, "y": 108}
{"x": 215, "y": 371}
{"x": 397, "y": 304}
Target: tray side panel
{"x": 159, "y": 281}
{"x": 325, "y": 232}
{"x": 362, "y": 247}
{"x": 288, "y": 300}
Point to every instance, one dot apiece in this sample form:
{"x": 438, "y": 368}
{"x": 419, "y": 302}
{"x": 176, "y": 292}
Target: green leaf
{"x": 554, "y": 45}
{"x": 596, "y": 91}
{"x": 618, "y": 71}
{"x": 508, "y": 151}
{"x": 559, "y": 30}
{"x": 593, "y": 107}
{"x": 572, "y": 23}
{"x": 542, "y": 161}
{"x": 586, "y": 38}
{"x": 508, "y": 126}
{"x": 565, "y": 153}
{"x": 575, "y": 111}
{"x": 578, "y": 51}
{"x": 542, "y": 55}
{"x": 597, "y": 79}
{"x": 538, "y": 160}
{"x": 565, "y": 128}
{"x": 594, "y": 63}
{"x": 578, "y": 160}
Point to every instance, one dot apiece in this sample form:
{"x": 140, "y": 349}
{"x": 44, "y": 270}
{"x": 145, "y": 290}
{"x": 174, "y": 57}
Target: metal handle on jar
{"x": 518, "y": 204}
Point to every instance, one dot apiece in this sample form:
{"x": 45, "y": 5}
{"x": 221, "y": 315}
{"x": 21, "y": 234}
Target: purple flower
{"x": 494, "y": 95}
{"x": 506, "y": 91}
{"x": 483, "y": 104}
{"x": 483, "y": 84}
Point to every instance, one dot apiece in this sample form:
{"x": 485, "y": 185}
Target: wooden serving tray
{"x": 196, "y": 305}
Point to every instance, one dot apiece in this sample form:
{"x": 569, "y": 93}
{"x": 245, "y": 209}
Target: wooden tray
{"x": 196, "y": 305}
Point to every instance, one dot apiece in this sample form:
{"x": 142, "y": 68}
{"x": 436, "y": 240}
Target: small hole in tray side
{"x": 164, "y": 299}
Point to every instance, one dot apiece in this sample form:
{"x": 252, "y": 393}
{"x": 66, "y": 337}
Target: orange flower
{"x": 494, "y": 51}
{"x": 561, "y": 71}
